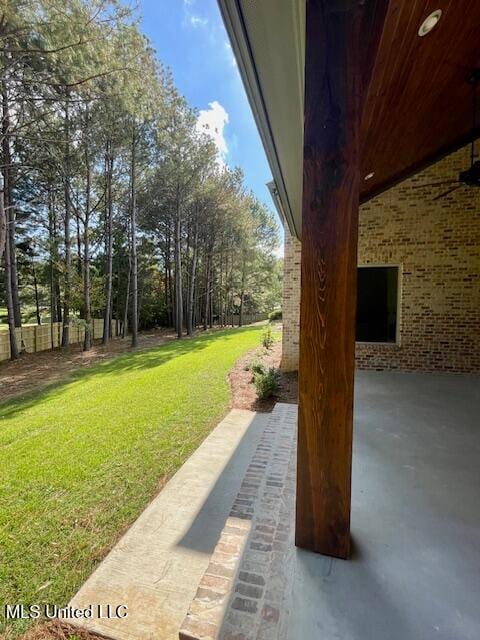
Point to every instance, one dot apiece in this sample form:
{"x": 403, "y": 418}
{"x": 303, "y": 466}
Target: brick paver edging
{"x": 244, "y": 594}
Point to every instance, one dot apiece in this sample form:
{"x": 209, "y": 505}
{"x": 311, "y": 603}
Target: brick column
{"x": 291, "y": 303}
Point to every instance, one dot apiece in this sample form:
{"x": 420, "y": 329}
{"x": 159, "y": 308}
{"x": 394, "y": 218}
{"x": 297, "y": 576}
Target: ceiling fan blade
{"x": 445, "y": 193}
{"x": 434, "y": 184}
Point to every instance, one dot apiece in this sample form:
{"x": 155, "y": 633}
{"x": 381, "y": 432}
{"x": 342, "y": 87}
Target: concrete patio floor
{"x": 415, "y": 569}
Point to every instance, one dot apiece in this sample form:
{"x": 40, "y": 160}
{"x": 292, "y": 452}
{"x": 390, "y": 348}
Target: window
{"x": 377, "y": 301}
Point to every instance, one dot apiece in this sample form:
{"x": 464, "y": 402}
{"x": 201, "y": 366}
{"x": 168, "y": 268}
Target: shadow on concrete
{"x": 205, "y": 530}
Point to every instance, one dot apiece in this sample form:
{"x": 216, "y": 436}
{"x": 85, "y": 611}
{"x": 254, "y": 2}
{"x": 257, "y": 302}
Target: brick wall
{"x": 291, "y": 303}
{"x": 437, "y": 244}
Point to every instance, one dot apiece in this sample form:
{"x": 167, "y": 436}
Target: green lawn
{"x": 79, "y": 461}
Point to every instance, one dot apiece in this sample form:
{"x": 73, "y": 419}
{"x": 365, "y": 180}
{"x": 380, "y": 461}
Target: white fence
{"x": 32, "y": 337}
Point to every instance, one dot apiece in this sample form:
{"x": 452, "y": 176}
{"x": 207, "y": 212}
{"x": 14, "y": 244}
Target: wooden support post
{"x": 336, "y": 74}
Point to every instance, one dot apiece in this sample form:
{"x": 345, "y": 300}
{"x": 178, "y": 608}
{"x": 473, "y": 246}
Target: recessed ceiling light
{"x": 369, "y": 175}
{"x": 429, "y": 23}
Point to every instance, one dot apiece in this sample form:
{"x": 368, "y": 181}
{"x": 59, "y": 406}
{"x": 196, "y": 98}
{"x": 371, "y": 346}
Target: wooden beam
{"x": 419, "y": 166}
{"x": 414, "y": 114}
{"x": 336, "y": 81}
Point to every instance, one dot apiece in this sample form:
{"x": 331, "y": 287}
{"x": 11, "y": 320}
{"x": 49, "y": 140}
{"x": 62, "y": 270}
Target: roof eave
{"x": 235, "y": 25}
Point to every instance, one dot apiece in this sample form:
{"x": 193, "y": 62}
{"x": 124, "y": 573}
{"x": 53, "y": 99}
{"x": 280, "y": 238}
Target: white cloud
{"x": 230, "y": 54}
{"x": 212, "y": 122}
{"x": 196, "y": 21}
{"x": 192, "y": 19}
{"x": 279, "y": 251}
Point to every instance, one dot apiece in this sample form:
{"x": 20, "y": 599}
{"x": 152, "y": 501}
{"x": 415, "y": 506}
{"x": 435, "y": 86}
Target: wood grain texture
{"x": 336, "y": 80}
{"x": 419, "y": 105}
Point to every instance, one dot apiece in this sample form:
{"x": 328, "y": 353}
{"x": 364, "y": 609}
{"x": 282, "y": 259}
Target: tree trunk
{"x": 108, "y": 245}
{"x": 79, "y": 247}
{"x": 166, "y": 287}
{"x": 195, "y": 305}
{"x": 3, "y": 223}
{"x": 178, "y": 272}
{"x": 210, "y": 312}
{"x": 51, "y": 245}
{"x": 52, "y": 307}
{"x": 242, "y": 292}
{"x": 223, "y": 293}
{"x": 127, "y": 302}
{"x": 192, "y": 279}
{"x": 87, "y": 340}
{"x": 68, "y": 247}
{"x": 14, "y": 272}
{"x": 52, "y": 284}
{"x": 9, "y": 209}
{"x": 9, "y": 301}
{"x": 207, "y": 292}
{"x": 240, "y": 311}
{"x": 140, "y": 287}
{"x": 171, "y": 309}
{"x": 54, "y": 257}
{"x": 133, "y": 225}
{"x": 117, "y": 301}
{"x": 35, "y": 289}
{"x": 56, "y": 310}
{"x": 58, "y": 298}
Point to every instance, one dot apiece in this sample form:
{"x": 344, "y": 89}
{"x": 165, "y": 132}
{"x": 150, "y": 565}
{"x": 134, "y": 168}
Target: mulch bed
{"x": 244, "y": 395}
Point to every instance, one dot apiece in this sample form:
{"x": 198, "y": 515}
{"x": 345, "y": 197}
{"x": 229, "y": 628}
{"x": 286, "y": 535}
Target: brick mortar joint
{"x": 271, "y": 451}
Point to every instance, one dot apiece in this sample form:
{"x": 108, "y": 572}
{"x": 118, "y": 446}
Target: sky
{"x": 190, "y": 39}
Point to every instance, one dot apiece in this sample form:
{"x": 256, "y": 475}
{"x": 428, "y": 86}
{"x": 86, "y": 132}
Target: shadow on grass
{"x": 143, "y": 359}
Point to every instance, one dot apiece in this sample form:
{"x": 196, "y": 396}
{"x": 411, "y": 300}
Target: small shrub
{"x": 267, "y": 383}
{"x": 258, "y": 367}
{"x": 267, "y": 338}
{"x": 255, "y": 366}
{"x": 275, "y": 315}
